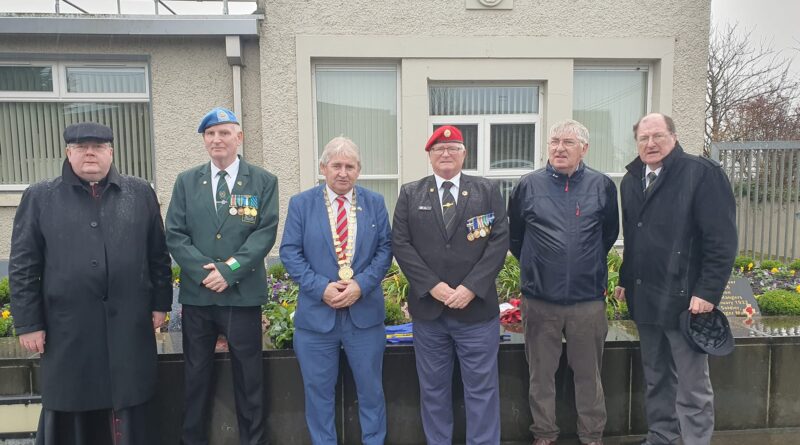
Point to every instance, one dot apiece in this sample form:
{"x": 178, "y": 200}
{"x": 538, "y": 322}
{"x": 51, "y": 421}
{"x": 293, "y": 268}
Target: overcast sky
{"x": 774, "y": 21}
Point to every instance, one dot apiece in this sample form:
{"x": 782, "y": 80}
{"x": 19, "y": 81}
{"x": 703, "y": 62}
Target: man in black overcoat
{"x": 679, "y": 222}
{"x": 90, "y": 278}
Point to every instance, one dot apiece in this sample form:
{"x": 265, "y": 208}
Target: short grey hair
{"x": 570, "y": 126}
{"x": 340, "y": 146}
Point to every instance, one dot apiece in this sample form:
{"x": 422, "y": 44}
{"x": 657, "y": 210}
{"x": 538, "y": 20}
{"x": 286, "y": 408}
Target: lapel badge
{"x": 432, "y": 190}
{"x": 239, "y": 183}
{"x": 205, "y": 182}
{"x": 464, "y": 193}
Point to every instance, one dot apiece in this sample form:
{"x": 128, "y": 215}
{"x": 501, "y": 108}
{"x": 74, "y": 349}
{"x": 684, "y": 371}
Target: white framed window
{"x": 608, "y": 100}
{"x": 38, "y": 99}
{"x": 500, "y": 124}
{"x": 361, "y": 101}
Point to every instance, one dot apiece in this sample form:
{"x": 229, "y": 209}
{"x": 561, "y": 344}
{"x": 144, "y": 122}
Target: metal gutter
{"x": 140, "y": 25}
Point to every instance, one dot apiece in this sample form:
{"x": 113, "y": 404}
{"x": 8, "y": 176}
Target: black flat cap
{"x": 87, "y": 131}
{"x": 708, "y": 333}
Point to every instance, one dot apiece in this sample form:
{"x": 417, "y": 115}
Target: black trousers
{"x": 127, "y": 426}
{"x": 242, "y": 327}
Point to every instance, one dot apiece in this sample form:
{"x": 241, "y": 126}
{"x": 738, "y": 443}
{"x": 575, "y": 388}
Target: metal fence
{"x": 765, "y": 177}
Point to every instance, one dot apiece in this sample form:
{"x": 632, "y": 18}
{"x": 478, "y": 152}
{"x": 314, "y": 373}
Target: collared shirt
{"x": 335, "y": 207}
{"x": 647, "y": 171}
{"x": 456, "y": 180}
{"x": 231, "y": 172}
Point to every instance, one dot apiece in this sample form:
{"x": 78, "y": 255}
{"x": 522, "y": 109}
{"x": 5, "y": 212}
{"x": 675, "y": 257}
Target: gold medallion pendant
{"x": 345, "y": 272}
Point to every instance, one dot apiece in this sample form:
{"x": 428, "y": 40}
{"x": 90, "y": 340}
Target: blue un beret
{"x": 87, "y": 131}
{"x": 217, "y": 116}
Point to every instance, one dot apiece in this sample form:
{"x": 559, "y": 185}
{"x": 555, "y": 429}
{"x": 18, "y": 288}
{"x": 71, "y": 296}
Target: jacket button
{"x": 219, "y": 236}
{"x": 93, "y": 224}
{"x": 638, "y": 281}
{"x": 639, "y": 224}
{"x": 93, "y": 263}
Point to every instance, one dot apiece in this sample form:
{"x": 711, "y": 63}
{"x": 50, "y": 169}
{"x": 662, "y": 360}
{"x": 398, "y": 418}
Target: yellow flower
{"x": 797, "y": 288}
{"x": 750, "y": 266}
{"x": 774, "y": 270}
{"x": 7, "y": 314}
{"x": 286, "y": 304}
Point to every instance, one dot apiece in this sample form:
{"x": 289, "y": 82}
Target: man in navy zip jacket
{"x": 563, "y": 221}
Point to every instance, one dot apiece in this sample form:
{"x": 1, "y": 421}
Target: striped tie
{"x": 448, "y": 204}
{"x": 341, "y": 226}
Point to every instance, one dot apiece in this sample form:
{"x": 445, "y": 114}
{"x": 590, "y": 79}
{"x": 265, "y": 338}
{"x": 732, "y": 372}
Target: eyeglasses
{"x": 450, "y": 150}
{"x": 567, "y": 143}
{"x": 83, "y": 148}
{"x": 657, "y": 138}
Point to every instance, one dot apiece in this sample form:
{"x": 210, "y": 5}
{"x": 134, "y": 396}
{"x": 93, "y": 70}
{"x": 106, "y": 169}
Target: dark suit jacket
{"x": 307, "y": 252}
{"x": 428, "y": 254}
{"x": 196, "y": 236}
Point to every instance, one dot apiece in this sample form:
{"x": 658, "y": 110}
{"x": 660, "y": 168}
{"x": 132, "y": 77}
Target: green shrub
{"x": 6, "y": 321}
{"x": 508, "y": 279}
{"x": 743, "y": 262}
{"x": 277, "y": 271}
{"x": 394, "y": 313}
{"x": 5, "y": 293}
{"x": 395, "y": 285}
{"x": 770, "y": 264}
{"x": 779, "y": 302}
{"x": 616, "y": 310}
{"x": 614, "y": 260}
{"x": 176, "y": 274}
{"x": 794, "y": 265}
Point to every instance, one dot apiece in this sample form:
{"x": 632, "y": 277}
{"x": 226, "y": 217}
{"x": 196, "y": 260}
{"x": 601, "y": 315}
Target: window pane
{"x": 362, "y": 105}
{"x": 512, "y": 145}
{"x": 470, "y": 134}
{"x": 26, "y": 78}
{"x": 32, "y": 148}
{"x": 506, "y": 186}
{"x": 608, "y": 103}
{"x": 106, "y": 80}
{"x": 460, "y": 101}
{"x": 386, "y": 187}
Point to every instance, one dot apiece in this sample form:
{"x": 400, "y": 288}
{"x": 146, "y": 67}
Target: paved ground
{"x": 789, "y": 436}
{"x": 761, "y": 437}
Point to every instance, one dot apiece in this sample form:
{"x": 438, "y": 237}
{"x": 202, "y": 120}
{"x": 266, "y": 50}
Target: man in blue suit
{"x": 337, "y": 246}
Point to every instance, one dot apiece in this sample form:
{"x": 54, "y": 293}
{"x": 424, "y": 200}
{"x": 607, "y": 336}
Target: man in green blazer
{"x": 221, "y": 223}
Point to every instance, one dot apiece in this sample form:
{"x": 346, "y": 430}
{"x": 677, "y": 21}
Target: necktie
{"x": 651, "y": 179}
{"x": 222, "y": 192}
{"x": 341, "y": 226}
{"x": 448, "y": 204}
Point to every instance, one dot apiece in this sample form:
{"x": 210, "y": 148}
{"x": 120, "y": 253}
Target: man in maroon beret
{"x": 450, "y": 237}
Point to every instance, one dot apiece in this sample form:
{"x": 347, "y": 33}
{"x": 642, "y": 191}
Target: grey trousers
{"x": 584, "y": 326}
{"x": 679, "y": 400}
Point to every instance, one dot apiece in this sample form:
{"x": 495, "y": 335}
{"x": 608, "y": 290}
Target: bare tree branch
{"x": 740, "y": 73}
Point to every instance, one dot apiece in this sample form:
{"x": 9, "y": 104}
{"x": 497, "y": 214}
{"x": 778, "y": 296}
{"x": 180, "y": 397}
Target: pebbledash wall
{"x": 427, "y": 41}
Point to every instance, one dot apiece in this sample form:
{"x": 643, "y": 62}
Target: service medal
{"x": 345, "y": 272}
{"x": 253, "y": 211}
{"x": 483, "y": 233}
{"x": 232, "y": 211}
{"x": 240, "y": 211}
{"x": 470, "y": 237}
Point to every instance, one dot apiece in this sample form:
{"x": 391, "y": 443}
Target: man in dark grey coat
{"x": 679, "y": 222}
{"x": 450, "y": 237}
{"x": 90, "y": 278}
